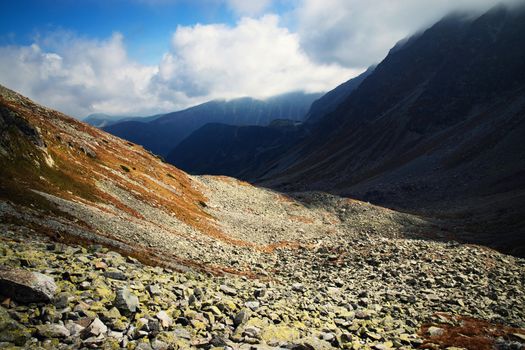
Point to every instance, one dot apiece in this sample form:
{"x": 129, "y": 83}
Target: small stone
{"x": 298, "y": 287}
{"x": 252, "y": 305}
{"x": 252, "y": 332}
{"x": 159, "y": 345}
{"x": 241, "y": 317}
{"x": 52, "y": 331}
{"x": 259, "y": 293}
{"x": 165, "y": 320}
{"x": 361, "y": 314}
{"x": 435, "y": 331}
{"x": 26, "y": 286}
{"x": 100, "y": 265}
{"x": 74, "y": 328}
{"x": 11, "y": 331}
{"x": 116, "y": 275}
{"x": 153, "y": 289}
{"x": 228, "y": 290}
{"x": 126, "y": 301}
{"x": 61, "y": 301}
{"x": 182, "y": 333}
{"x": 329, "y": 337}
{"x": 96, "y": 328}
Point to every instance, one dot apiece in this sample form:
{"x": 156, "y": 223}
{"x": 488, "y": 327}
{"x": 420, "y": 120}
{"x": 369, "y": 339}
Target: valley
{"x": 387, "y": 213}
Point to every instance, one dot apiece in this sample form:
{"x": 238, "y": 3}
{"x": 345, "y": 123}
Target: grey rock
{"x": 153, "y": 289}
{"x": 95, "y": 329}
{"x": 116, "y": 275}
{"x": 252, "y": 305}
{"x": 26, "y": 286}
{"x": 435, "y": 331}
{"x": 52, "y": 331}
{"x": 159, "y": 345}
{"x": 228, "y": 290}
{"x": 182, "y": 333}
{"x": 165, "y": 320}
{"x": 298, "y": 287}
{"x": 61, "y": 300}
{"x": 241, "y": 317}
{"x": 126, "y": 301}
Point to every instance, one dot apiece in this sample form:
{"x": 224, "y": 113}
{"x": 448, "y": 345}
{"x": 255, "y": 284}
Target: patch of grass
{"x": 468, "y": 333}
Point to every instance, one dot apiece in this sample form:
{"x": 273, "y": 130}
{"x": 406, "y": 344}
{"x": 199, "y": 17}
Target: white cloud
{"x": 356, "y": 33}
{"x": 256, "y": 57}
{"x": 79, "y": 76}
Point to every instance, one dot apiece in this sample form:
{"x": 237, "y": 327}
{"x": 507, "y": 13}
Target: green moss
{"x": 12, "y": 331}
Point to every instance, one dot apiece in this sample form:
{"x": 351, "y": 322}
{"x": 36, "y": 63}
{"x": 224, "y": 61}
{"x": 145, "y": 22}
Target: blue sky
{"x": 145, "y": 24}
{"x": 142, "y": 57}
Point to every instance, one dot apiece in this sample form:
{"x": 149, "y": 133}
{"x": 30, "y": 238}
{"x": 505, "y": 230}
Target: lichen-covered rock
{"x": 95, "y": 329}
{"x": 52, "y": 331}
{"x": 26, "y": 286}
{"x": 12, "y": 331}
{"x": 126, "y": 301}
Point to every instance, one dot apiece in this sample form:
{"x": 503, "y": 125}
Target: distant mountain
{"x": 220, "y": 149}
{"x": 163, "y": 134}
{"x": 243, "y": 150}
{"x": 329, "y": 101}
{"x": 101, "y": 120}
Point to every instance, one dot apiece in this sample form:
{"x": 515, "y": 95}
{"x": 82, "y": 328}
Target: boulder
{"x": 26, "y": 286}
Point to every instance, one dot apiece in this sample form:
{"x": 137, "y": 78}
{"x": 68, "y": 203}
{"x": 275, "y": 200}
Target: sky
{"x": 143, "y": 57}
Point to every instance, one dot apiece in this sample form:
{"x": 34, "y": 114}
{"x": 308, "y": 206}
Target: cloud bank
{"x": 356, "y": 33}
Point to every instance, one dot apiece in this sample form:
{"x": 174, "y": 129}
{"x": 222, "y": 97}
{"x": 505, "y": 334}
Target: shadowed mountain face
{"x": 163, "y": 134}
{"x": 220, "y": 149}
{"x": 438, "y": 125}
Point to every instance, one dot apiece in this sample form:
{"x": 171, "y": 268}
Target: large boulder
{"x": 26, "y": 286}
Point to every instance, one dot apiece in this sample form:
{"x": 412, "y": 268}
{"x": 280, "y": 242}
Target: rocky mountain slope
{"x": 163, "y": 134}
{"x": 221, "y": 264}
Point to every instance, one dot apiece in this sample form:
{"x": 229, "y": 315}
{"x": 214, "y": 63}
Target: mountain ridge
{"x": 165, "y": 133}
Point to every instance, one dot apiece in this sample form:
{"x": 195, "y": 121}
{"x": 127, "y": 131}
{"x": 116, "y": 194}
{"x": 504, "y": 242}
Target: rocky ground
{"x": 353, "y": 292}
